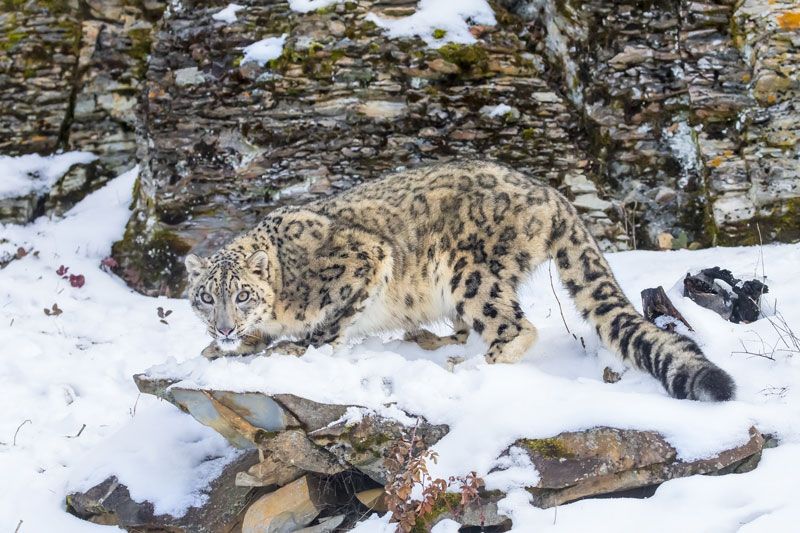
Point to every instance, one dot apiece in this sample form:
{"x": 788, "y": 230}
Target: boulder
{"x": 110, "y": 503}
{"x": 287, "y": 509}
{"x": 604, "y": 460}
{"x": 294, "y": 435}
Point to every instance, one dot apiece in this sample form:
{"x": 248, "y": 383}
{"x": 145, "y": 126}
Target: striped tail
{"x": 673, "y": 359}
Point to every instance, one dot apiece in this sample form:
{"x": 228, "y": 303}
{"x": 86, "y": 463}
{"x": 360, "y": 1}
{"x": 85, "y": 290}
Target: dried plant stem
{"x": 26, "y": 421}
{"x": 560, "y": 309}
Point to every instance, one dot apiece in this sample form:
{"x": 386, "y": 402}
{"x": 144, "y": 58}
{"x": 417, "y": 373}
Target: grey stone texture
{"x": 653, "y": 116}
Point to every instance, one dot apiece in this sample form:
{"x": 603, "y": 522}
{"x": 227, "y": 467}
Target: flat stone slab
{"x": 605, "y": 460}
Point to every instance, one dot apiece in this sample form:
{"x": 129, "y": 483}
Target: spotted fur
{"x": 452, "y": 241}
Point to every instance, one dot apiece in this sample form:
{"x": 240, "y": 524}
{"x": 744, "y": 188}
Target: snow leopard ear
{"x": 257, "y": 263}
{"x": 195, "y": 266}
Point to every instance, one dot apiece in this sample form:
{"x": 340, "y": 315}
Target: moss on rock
{"x": 551, "y": 448}
{"x": 151, "y": 259}
{"x": 469, "y": 58}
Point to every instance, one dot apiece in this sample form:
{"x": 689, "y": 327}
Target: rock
{"x": 440, "y": 65}
{"x": 293, "y": 434}
{"x": 325, "y": 525}
{"x": 319, "y": 443}
{"x": 311, "y": 415}
{"x": 382, "y": 109}
{"x": 609, "y": 376}
{"x": 664, "y": 195}
{"x": 591, "y": 202}
{"x": 605, "y": 460}
{"x": 365, "y": 443}
{"x": 288, "y": 509}
{"x": 188, "y": 76}
{"x": 632, "y": 54}
{"x": 665, "y": 241}
{"x": 578, "y": 184}
{"x": 110, "y": 503}
{"x": 75, "y": 73}
{"x": 733, "y": 299}
{"x": 20, "y": 209}
{"x": 374, "y": 499}
{"x": 288, "y": 455}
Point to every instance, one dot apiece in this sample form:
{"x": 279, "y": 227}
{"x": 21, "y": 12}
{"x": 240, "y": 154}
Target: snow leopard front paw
{"x": 286, "y": 348}
{"x": 248, "y": 346}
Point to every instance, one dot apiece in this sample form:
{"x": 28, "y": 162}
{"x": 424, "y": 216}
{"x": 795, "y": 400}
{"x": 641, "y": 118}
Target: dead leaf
{"x": 55, "y": 311}
{"x": 609, "y": 376}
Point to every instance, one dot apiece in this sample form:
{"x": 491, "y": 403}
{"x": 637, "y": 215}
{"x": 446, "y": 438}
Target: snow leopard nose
{"x": 225, "y": 332}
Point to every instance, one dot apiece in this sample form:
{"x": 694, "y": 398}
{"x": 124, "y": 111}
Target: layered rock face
{"x": 688, "y": 105}
{"x": 652, "y": 116}
{"x": 71, "y": 74}
{"x": 228, "y": 140}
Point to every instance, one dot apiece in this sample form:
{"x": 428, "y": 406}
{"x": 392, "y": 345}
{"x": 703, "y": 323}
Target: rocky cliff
{"x": 659, "y": 116}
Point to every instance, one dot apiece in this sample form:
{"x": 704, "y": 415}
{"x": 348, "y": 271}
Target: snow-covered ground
{"x": 59, "y": 372}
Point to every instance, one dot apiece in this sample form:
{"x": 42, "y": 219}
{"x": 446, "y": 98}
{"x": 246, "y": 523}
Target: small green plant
{"x": 439, "y": 33}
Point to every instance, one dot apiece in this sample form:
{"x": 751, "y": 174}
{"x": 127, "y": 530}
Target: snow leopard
{"x": 450, "y": 242}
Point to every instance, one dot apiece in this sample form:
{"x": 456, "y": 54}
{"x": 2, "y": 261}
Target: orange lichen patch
{"x": 717, "y": 161}
{"x": 789, "y": 21}
{"x": 727, "y": 153}
{"x": 746, "y": 78}
{"x": 771, "y": 99}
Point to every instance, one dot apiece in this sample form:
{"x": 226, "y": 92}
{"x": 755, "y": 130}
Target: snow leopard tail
{"x": 672, "y": 358}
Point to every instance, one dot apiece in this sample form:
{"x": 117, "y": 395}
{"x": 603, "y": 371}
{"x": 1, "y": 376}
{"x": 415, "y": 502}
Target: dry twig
{"x": 77, "y": 434}
{"x": 553, "y": 287}
{"x": 26, "y": 421}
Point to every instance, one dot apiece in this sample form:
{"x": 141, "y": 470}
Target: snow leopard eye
{"x": 206, "y": 298}
{"x": 242, "y": 297}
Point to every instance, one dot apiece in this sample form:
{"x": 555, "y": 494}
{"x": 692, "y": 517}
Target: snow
{"x": 33, "y": 173}
{"x": 227, "y": 14}
{"x": 304, "y": 6}
{"x": 264, "y": 50}
{"x": 446, "y": 526}
{"x": 454, "y": 18}
{"x": 61, "y": 372}
{"x": 73, "y": 369}
{"x": 498, "y": 110}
